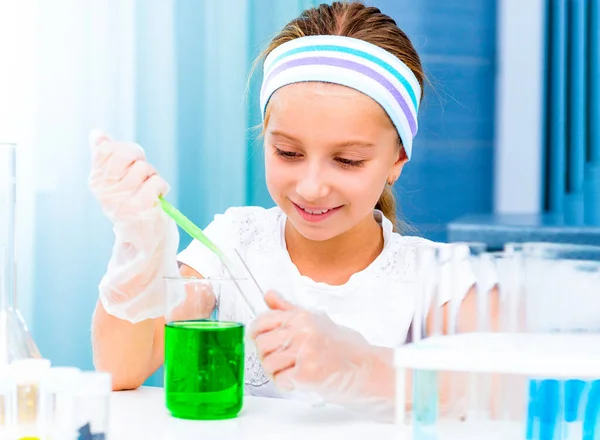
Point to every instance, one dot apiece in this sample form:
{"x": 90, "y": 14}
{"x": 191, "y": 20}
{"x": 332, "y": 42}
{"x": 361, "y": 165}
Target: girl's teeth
{"x": 316, "y": 212}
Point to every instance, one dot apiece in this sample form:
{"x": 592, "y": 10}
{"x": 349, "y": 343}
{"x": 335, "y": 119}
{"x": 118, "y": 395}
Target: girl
{"x": 340, "y": 96}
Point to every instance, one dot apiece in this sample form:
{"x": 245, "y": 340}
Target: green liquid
{"x": 204, "y": 369}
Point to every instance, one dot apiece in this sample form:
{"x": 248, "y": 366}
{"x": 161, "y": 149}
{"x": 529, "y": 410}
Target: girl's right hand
{"x": 146, "y": 239}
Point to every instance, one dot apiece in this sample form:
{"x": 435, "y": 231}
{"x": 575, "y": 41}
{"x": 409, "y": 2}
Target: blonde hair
{"x": 354, "y": 19}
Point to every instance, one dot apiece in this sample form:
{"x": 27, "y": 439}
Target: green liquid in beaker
{"x": 204, "y": 369}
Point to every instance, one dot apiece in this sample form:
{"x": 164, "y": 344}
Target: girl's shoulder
{"x": 401, "y": 263}
{"x": 246, "y": 224}
{"x": 398, "y": 260}
{"x": 238, "y": 215}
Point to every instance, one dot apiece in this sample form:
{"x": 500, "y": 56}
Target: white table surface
{"x": 141, "y": 414}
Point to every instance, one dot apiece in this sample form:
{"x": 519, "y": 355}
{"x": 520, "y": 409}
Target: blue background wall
{"x": 452, "y": 170}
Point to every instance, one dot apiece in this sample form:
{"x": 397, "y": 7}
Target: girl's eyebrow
{"x": 345, "y": 143}
{"x": 283, "y": 134}
{"x": 355, "y": 143}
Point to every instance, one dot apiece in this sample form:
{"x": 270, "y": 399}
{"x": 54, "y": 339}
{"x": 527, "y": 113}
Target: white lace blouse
{"x": 378, "y": 301}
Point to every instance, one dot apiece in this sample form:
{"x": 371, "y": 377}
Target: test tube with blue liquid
{"x": 425, "y": 411}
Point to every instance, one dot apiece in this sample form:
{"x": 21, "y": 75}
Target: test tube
{"x": 425, "y": 405}
{"x": 27, "y": 375}
{"x": 468, "y": 259}
{"x": 55, "y": 419}
{"x": 7, "y": 404}
{"x": 504, "y": 272}
{"x": 90, "y": 401}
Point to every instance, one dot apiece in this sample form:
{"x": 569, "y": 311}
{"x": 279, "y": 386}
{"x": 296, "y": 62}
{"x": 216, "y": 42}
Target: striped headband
{"x": 352, "y": 63}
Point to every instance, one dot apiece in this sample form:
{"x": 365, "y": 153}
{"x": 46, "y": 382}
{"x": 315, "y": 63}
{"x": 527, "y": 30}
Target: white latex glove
{"x": 307, "y": 352}
{"x": 146, "y": 239}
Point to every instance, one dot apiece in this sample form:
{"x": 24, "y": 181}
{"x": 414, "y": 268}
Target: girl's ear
{"x": 398, "y": 165}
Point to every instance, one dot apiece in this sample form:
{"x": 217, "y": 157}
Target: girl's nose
{"x": 313, "y": 185}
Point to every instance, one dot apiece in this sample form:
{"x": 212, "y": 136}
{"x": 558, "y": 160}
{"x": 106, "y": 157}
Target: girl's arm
{"x": 131, "y": 352}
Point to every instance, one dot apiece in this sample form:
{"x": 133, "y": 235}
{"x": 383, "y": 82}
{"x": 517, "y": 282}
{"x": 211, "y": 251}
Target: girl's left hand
{"x": 307, "y": 351}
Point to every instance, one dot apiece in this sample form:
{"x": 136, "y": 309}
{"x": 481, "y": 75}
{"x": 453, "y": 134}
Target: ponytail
{"x": 387, "y": 205}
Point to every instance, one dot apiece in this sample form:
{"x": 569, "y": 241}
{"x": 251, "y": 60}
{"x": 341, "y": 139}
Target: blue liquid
{"x": 592, "y": 413}
{"x": 426, "y": 405}
{"x": 532, "y": 410}
{"x": 559, "y": 410}
{"x": 573, "y": 394}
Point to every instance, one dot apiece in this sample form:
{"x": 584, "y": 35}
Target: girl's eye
{"x": 350, "y": 163}
{"x": 286, "y": 154}
{"x": 292, "y": 155}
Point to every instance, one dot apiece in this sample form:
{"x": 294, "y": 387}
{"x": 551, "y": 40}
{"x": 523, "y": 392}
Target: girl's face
{"x": 329, "y": 151}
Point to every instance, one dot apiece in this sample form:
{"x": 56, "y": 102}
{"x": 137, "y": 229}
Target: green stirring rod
{"x": 195, "y": 232}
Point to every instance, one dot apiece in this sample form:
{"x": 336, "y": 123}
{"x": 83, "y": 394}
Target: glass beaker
{"x": 204, "y": 357}
{"x": 89, "y": 402}
{"x": 15, "y": 340}
{"x": 59, "y": 381}
{"x": 28, "y": 375}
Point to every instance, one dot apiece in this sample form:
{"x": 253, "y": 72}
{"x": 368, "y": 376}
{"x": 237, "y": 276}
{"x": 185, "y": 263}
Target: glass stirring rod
{"x": 195, "y": 232}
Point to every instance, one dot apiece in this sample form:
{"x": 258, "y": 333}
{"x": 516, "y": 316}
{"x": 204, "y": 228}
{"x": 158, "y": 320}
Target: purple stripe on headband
{"x": 351, "y": 65}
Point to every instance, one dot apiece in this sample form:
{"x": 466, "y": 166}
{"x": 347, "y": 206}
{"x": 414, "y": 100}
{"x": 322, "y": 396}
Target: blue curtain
{"x": 572, "y": 121}
{"x": 171, "y": 75}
